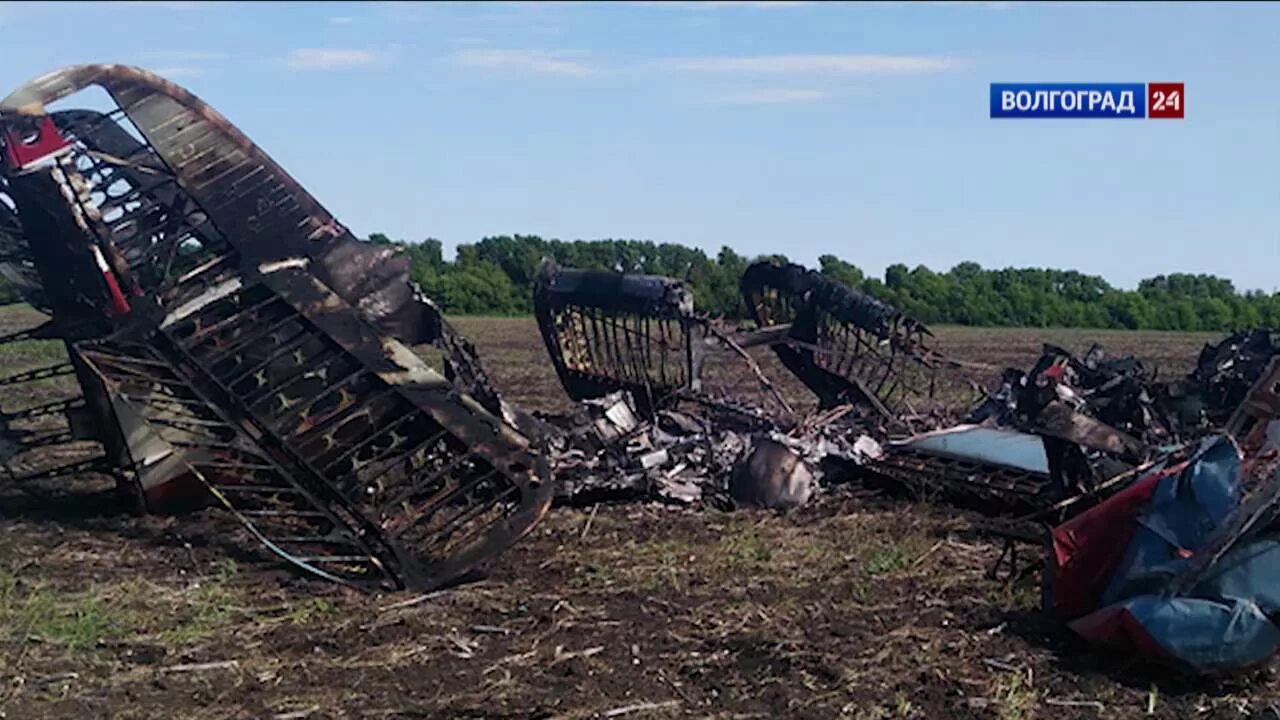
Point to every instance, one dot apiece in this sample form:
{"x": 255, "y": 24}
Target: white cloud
{"x": 545, "y": 62}
{"x": 341, "y": 20}
{"x": 757, "y": 3}
{"x": 178, "y": 71}
{"x": 762, "y": 4}
{"x": 167, "y": 4}
{"x": 774, "y": 96}
{"x": 543, "y": 4}
{"x": 332, "y": 59}
{"x": 183, "y": 56}
{"x": 815, "y": 64}
{"x": 175, "y": 64}
{"x": 991, "y": 4}
{"x": 988, "y": 5}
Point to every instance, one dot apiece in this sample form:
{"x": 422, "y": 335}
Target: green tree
{"x": 495, "y": 275}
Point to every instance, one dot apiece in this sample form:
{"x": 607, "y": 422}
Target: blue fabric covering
{"x": 1207, "y": 635}
{"x": 1249, "y": 571}
{"x": 1222, "y": 624}
{"x": 1185, "y": 509}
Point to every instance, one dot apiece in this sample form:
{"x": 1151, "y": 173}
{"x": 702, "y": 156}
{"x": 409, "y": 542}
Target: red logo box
{"x": 1165, "y": 100}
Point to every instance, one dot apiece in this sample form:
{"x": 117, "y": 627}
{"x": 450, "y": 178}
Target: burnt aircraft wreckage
{"x": 233, "y": 345}
{"x": 233, "y": 342}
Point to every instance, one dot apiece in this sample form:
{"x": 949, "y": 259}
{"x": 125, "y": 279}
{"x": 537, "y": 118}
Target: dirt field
{"x": 854, "y": 607}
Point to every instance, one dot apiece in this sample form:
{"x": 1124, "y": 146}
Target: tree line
{"x": 495, "y": 277}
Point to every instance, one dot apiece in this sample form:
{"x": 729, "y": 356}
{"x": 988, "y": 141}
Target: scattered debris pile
{"x": 1048, "y": 443}
{"x": 631, "y": 349}
{"x": 1124, "y": 395}
{"x": 1160, "y": 542}
{"x": 1224, "y": 374}
{"x": 1114, "y": 391}
{"x": 605, "y": 450}
{"x": 1060, "y": 431}
{"x": 608, "y": 451}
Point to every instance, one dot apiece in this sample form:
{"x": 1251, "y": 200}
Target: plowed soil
{"x": 856, "y": 606}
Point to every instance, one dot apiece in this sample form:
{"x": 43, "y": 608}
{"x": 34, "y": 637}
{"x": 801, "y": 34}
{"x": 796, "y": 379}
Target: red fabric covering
{"x": 1115, "y": 624}
{"x": 46, "y": 142}
{"x": 1088, "y": 547}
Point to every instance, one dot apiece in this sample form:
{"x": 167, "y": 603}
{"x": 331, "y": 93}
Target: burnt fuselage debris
{"x": 864, "y": 362}
{"x": 17, "y": 266}
{"x": 1095, "y": 417}
{"x": 1082, "y": 454}
{"x": 1118, "y": 392}
{"x": 851, "y": 349}
{"x": 234, "y": 343}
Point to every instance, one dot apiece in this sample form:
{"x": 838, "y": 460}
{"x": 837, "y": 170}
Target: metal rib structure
{"x": 843, "y": 345}
{"x": 232, "y": 338}
{"x": 610, "y": 331}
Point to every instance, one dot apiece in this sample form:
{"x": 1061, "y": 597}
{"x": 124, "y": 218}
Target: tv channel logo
{"x": 1162, "y": 100}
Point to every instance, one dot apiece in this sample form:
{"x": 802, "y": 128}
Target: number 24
{"x": 1172, "y": 100}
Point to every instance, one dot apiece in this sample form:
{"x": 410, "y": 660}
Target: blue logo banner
{"x": 1068, "y": 100}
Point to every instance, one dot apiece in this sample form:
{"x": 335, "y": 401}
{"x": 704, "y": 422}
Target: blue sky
{"x": 802, "y": 128}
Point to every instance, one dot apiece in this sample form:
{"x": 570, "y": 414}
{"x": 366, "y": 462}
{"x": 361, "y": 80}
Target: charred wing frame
{"x": 231, "y": 336}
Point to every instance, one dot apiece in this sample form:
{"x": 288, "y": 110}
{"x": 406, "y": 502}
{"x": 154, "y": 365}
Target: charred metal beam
{"x": 1058, "y": 420}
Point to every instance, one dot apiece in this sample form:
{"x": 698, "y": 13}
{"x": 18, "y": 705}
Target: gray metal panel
{"x": 994, "y": 446}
